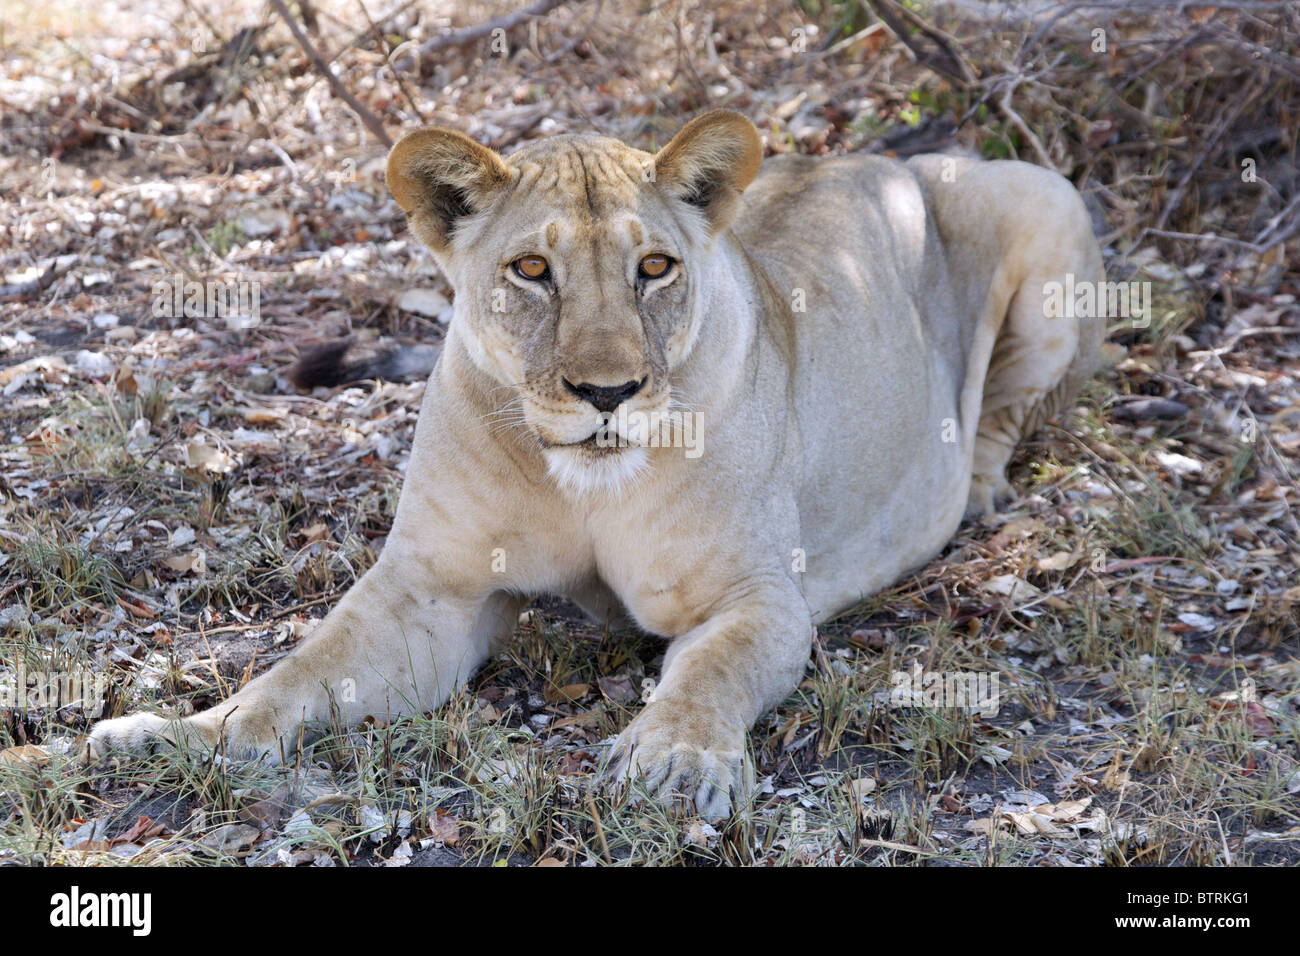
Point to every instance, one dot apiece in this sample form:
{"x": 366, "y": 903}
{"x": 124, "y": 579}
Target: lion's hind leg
{"x": 1043, "y": 353}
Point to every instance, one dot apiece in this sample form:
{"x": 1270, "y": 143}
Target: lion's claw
{"x": 680, "y": 756}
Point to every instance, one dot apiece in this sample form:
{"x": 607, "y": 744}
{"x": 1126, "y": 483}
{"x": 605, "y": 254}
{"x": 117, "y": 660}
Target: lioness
{"x": 844, "y": 358}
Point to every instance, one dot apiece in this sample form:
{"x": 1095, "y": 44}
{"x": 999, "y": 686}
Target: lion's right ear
{"x": 438, "y": 177}
{"x": 709, "y": 163}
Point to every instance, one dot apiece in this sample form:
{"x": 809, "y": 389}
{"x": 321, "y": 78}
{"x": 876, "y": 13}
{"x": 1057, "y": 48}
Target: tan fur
{"x": 824, "y": 472}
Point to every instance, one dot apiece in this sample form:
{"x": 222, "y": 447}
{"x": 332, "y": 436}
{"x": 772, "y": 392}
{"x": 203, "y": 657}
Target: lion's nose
{"x": 606, "y": 398}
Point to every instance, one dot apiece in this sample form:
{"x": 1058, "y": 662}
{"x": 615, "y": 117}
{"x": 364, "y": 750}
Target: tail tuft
{"x": 321, "y": 365}
{"x": 345, "y": 360}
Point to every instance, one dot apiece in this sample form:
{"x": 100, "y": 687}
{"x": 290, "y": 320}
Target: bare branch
{"x": 373, "y": 122}
{"x": 472, "y": 34}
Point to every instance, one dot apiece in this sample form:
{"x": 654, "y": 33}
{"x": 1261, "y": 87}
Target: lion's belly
{"x": 886, "y": 414}
{"x": 850, "y": 560}
{"x": 885, "y": 481}
{"x": 886, "y": 501}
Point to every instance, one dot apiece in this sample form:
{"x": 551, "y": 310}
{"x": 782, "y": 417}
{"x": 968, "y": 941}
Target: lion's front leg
{"x": 386, "y": 650}
{"x": 718, "y": 679}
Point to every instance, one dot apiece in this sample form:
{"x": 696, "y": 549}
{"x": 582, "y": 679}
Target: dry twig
{"x": 372, "y": 122}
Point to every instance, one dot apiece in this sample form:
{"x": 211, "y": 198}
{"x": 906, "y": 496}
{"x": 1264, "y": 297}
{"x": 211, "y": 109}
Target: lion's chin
{"x": 587, "y": 468}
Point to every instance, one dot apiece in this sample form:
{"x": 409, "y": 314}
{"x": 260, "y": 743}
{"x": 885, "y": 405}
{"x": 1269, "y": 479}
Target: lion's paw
{"x": 202, "y": 734}
{"x": 987, "y": 495}
{"x": 683, "y": 752}
{"x": 134, "y": 735}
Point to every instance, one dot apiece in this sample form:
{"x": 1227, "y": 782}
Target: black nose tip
{"x": 606, "y": 398}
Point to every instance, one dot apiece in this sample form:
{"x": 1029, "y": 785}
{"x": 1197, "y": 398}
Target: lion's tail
{"x": 346, "y": 360}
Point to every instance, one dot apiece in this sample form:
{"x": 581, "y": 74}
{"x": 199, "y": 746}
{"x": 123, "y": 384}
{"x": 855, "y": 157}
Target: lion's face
{"x": 579, "y": 296}
{"x": 575, "y": 263}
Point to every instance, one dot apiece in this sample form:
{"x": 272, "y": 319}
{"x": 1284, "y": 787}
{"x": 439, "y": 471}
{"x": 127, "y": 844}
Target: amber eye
{"x": 652, "y": 267}
{"x": 532, "y": 267}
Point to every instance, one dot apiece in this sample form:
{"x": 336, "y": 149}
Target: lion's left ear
{"x": 710, "y": 162}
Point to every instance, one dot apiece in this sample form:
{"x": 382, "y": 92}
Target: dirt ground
{"x": 175, "y": 514}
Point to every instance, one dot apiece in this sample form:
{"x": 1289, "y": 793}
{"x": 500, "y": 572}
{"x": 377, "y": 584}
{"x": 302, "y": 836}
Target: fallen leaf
{"x": 204, "y": 457}
{"x": 1115, "y": 778}
{"x": 1055, "y": 820}
{"x": 863, "y": 786}
{"x": 317, "y": 532}
{"x": 401, "y": 856}
{"x": 195, "y": 562}
{"x": 42, "y": 365}
{"x": 422, "y": 302}
{"x": 871, "y": 639}
{"x": 443, "y": 828}
{"x": 141, "y": 830}
{"x": 24, "y": 754}
{"x": 618, "y": 689}
{"x": 1251, "y": 713}
{"x": 1058, "y": 561}
{"x": 95, "y": 364}
{"x": 1010, "y": 586}
{"x": 569, "y": 692}
{"x": 231, "y": 839}
{"x": 698, "y": 833}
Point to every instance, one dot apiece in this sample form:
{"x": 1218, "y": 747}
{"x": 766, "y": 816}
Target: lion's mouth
{"x": 603, "y": 440}
{"x": 593, "y": 444}
{"x": 600, "y": 462}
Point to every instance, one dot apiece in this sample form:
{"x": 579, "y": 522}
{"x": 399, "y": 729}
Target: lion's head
{"x": 575, "y": 263}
